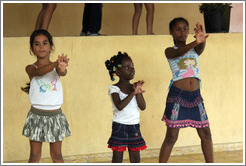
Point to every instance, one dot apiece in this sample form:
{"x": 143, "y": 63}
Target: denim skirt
{"x": 185, "y": 109}
{"x": 124, "y": 136}
{"x": 46, "y": 126}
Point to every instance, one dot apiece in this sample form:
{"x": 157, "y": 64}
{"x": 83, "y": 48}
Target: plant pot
{"x": 217, "y": 21}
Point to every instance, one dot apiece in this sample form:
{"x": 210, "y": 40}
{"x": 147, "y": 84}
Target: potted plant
{"x": 216, "y": 16}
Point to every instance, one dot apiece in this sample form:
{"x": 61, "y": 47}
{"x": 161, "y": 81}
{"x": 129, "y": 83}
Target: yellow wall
{"x": 88, "y": 107}
{"x": 116, "y": 18}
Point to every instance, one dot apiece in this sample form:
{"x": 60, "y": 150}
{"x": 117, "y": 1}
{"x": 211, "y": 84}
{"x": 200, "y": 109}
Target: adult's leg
{"x": 55, "y": 152}
{"x": 168, "y": 143}
{"x": 40, "y": 17}
{"x": 86, "y": 15}
{"x": 95, "y": 18}
{"x": 150, "y": 17}
{"x": 206, "y": 143}
{"x": 47, "y": 15}
{"x": 117, "y": 157}
{"x": 136, "y": 17}
{"x": 35, "y": 151}
{"x": 134, "y": 156}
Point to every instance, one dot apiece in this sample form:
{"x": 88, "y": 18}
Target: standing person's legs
{"x": 45, "y": 16}
{"x": 150, "y": 17}
{"x": 134, "y": 156}
{"x": 40, "y": 17}
{"x": 35, "y": 151}
{"x": 86, "y": 16}
{"x": 117, "y": 157}
{"x": 168, "y": 143}
{"x": 48, "y": 15}
{"x": 136, "y": 17}
{"x": 206, "y": 143}
{"x": 55, "y": 152}
{"x": 95, "y": 18}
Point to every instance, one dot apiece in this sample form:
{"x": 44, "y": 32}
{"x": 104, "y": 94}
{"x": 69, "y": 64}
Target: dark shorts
{"x": 126, "y": 136}
{"x": 185, "y": 109}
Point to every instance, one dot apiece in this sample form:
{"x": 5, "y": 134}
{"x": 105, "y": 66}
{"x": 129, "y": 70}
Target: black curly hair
{"x": 115, "y": 62}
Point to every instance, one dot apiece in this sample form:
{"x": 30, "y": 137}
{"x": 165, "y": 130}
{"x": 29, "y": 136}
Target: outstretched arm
{"x": 34, "y": 71}
{"x": 171, "y": 52}
{"x": 200, "y": 33}
{"x": 198, "y": 44}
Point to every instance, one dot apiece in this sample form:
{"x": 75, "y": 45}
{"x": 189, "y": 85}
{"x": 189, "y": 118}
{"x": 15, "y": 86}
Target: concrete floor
{"x": 219, "y": 157}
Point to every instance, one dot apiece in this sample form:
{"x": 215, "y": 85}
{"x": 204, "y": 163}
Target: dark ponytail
{"x": 27, "y": 88}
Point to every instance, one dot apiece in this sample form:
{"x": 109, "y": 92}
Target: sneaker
{"x": 83, "y": 34}
{"x": 93, "y": 34}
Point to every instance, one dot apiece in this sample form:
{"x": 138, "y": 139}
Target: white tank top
{"x": 46, "y": 91}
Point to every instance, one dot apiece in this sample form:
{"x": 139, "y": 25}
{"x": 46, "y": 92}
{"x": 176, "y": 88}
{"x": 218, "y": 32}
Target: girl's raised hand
{"x": 137, "y": 87}
{"x": 199, "y": 28}
{"x": 63, "y": 60}
{"x": 200, "y": 36}
{"x": 62, "y": 63}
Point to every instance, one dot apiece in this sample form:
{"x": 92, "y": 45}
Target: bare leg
{"x": 134, "y": 156}
{"x": 136, "y": 17}
{"x": 40, "y": 17}
{"x": 207, "y": 144}
{"x": 45, "y": 16}
{"x": 48, "y": 15}
{"x": 55, "y": 152}
{"x": 117, "y": 157}
{"x": 168, "y": 143}
{"x": 150, "y": 17}
{"x": 35, "y": 154}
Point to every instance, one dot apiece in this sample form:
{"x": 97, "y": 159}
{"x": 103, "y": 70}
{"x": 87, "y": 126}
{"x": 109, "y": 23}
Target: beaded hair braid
{"x": 114, "y": 63}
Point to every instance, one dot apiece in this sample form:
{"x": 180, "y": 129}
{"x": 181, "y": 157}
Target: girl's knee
{"x": 134, "y": 156}
{"x": 205, "y": 134}
{"x": 35, "y": 157}
{"x": 135, "y": 160}
{"x": 171, "y": 138}
{"x": 117, "y": 157}
{"x": 56, "y": 156}
{"x": 138, "y": 11}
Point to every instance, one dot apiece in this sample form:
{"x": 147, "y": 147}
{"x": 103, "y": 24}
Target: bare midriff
{"x": 187, "y": 84}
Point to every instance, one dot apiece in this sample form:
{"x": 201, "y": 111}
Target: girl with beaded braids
{"x": 126, "y": 99}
